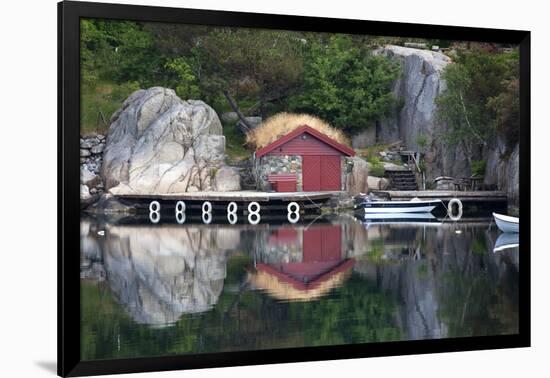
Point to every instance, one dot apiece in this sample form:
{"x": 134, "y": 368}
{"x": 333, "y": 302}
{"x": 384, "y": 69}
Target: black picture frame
{"x": 69, "y": 14}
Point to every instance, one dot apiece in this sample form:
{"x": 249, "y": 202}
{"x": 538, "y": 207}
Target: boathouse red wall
{"x": 321, "y": 157}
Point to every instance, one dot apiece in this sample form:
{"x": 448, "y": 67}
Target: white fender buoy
{"x": 254, "y": 208}
{"x": 293, "y": 207}
{"x": 254, "y": 218}
{"x": 154, "y": 207}
{"x": 450, "y": 209}
{"x": 232, "y": 218}
{"x": 180, "y": 207}
{"x": 293, "y": 217}
{"x": 206, "y": 217}
{"x": 232, "y": 208}
{"x": 154, "y": 216}
{"x": 180, "y": 217}
{"x": 206, "y": 207}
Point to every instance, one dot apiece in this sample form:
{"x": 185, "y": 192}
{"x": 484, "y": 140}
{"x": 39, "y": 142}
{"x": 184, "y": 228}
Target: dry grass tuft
{"x": 283, "y": 123}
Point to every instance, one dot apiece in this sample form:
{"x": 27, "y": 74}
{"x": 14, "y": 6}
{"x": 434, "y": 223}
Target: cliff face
{"x": 503, "y": 170}
{"x": 417, "y": 89}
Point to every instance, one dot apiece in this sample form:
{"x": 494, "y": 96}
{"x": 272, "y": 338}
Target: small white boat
{"x": 401, "y": 207}
{"x": 506, "y": 223}
{"x": 506, "y": 240}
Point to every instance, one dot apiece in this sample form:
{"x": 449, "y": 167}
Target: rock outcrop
{"x": 357, "y": 180}
{"x": 227, "y": 179}
{"x": 378, "y": 183}
{"x": 158, "y": 143}
{"x": 416, "y": 89}
{"x": 502, "y": 171}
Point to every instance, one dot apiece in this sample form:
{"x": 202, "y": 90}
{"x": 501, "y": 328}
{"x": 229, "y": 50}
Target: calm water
{"x": 172, "y": 288}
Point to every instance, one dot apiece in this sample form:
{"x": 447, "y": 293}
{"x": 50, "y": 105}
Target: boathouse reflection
{"x": 301, "y": 263}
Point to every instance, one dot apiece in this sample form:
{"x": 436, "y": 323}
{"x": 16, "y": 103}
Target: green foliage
{"x": 118, "y": 51}
{"x": 263, "y": 65}
{"x": 478, "y": 85}
{"x": 234, "y": 142}
{"x": 506, "y": 107}
{"x": 99, "y": 102}
{"x": 478, "y": 167}
{"x": 345, "y": 84}
{"x": 376, "y": 168}
{"x": 184, "y": 82}
{"x": 422, "y": 141}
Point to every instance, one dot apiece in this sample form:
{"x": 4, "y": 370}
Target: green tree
{"x": 184, "y": 81}
{"x": 476, "y": 83}
{"x": 506, "y": 107}
{"x": 346, "y": 84}
{"x": 263, "y": 65}
{"x": 119, "y": 51}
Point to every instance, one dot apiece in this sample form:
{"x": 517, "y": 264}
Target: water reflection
{"x": 301, "y": 263}
{"x": 191, "y": 288}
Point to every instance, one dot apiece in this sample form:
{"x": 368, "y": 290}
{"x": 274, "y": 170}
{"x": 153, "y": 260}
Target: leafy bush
{"x": 184, "y": 82}
{"x": 376, "y": 168}
{"x": 478, "y": 167}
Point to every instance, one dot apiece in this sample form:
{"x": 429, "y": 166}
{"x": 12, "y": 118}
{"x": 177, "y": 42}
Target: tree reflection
{"x": 193, "y": 288}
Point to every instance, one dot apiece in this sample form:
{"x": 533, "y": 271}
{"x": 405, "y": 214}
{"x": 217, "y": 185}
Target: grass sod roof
{"x": 281, "y": 124}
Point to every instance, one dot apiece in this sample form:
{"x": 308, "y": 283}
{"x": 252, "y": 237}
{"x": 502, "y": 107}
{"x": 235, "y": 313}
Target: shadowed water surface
{"x": 169, "y": 288}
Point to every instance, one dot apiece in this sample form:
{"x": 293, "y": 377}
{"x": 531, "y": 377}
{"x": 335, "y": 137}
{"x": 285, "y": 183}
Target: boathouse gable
{"x": 305, "y": 159}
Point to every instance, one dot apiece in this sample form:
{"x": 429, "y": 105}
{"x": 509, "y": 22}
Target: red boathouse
{"x": 302, "y": 160}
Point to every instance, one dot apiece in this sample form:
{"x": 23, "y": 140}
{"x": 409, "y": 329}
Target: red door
{"x": 330, "y": 173}
{"x": 311, "y": 173}
{"x": 321, "y": 173}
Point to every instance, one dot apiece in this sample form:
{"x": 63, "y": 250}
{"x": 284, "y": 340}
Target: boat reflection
{"x": 506, "y": 240}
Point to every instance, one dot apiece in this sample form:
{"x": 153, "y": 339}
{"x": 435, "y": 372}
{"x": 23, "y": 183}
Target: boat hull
{"x": 402, "y": 207}
{"x": 402, "y": 210}
{"x": 506, "y": 223}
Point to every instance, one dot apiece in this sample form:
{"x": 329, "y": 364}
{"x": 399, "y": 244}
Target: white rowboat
{"x": 506, "y": 223}
{"x": 412, "y": 206}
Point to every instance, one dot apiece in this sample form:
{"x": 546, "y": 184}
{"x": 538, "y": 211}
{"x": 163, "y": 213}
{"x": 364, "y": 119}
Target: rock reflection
{"x": 160, "y": 273}
{"x": 447, "y": 280}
